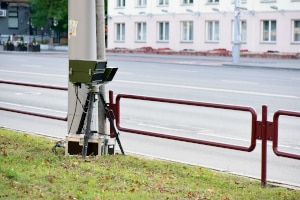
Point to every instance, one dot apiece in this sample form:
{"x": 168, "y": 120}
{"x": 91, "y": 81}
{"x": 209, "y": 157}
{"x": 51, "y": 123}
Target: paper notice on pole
{"x": 72, "y": 28}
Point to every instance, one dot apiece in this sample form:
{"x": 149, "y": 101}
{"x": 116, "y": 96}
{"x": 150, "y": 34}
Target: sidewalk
{"x": 292, "y": 64}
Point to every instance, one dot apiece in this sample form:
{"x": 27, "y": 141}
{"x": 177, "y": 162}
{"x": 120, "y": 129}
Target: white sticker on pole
{"x": 72, "y": 28}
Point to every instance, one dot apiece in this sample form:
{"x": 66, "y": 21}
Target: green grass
{"x": 29, "y": 170}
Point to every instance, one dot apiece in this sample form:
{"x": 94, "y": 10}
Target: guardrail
{"x": 263, "y": 130}
{"x": 33, "y": 113}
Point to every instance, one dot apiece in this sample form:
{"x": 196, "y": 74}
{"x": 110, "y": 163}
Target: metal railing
{"x": 33, "y": 113}
{"x": 263, "y": 130}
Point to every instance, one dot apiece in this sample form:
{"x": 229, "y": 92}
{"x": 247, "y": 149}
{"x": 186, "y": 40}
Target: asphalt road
{"x": 169, "y": 77}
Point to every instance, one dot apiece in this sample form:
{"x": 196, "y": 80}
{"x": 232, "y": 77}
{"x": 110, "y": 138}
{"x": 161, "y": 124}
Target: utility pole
{"x": 237, "y": 33}
{"x": 101, "y": 55}
{"x": 88, "y": 74}
{"x": 85, "y": 43}
{"x": 82, "y": 46}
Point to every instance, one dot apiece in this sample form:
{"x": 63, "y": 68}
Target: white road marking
{"x": 223, "y": 137}
{"x": 35, "y": 66}
{"x": 239, "y": 82}
{"x": 33, "y": 73}
{"x": 183, "y": 71}
{"x": 31, "y": 107}
{"x": 209, "y": 89}
{"x": 29, "y": 93}
{"x": 128, "y": 73}
{"x": 187, "y": 62}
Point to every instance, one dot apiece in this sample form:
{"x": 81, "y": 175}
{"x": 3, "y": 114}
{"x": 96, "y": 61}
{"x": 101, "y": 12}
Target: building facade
{"x": 14, "y": 17}
{"x": 201, "y": 25}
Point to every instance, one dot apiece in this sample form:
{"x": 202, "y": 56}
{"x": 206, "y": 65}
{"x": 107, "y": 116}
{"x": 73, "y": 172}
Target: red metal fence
{"x": 33, "y": 113}
{"x": 263, "y": 130}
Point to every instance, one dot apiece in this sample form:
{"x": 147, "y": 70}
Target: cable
{"x": 62, "y": 143}
{"x": 76, "y": 93}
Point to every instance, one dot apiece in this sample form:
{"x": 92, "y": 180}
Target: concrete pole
{"x": 237, "y": 34}
{"x": 101, "y": 55}
{"x": 82, "y": 46}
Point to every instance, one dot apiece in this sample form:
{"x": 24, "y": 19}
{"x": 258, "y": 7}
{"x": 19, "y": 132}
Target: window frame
{"x": 141, "y": 3}
{"x": 140, "y": 31}
{"x": 187, "y": 2}
{"x": 120, "y": 3}
{"x": 163, "y": 2}
{"x": 294, "y": 28}
{"x": 213, "y": 1}
{"x": 215, "y": 37}
{"x": 269, "y": 31}
{"x": 120, "y": 32}
{"x": 165, "y": 32}
{"x": 187, "y": 31}
{"x": 243, "y": 31}
{"x": 13, "y": 17}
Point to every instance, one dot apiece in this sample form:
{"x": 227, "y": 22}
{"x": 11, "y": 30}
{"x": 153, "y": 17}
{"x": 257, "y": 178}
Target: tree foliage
{"x": 50, "y": 11}
{"x": 54, "y": 12}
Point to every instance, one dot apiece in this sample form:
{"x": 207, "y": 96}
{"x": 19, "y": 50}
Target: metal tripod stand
{"x": 87, "y": 114}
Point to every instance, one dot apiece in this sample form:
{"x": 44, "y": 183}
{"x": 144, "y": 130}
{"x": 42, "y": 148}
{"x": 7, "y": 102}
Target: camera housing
{"x": 90, "y": 72}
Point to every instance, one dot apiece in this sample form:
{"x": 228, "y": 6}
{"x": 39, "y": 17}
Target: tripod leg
{"x": 87, "y": 134}
{"x": 110, "y": 119}
{"x": 83, "y": 116}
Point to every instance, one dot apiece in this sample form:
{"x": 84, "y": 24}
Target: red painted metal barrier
{"x": 34, "y": 85}
{"x": 275, "y": 136}
{"x": 260, "y": 130}
{"x": 191, "y": 103}
{"x": 32, "y": 113}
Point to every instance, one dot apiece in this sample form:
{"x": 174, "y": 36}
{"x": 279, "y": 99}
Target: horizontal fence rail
{"x": 33, "y": 113}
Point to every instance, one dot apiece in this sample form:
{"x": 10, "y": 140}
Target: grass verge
{"x": 29, "y": 170}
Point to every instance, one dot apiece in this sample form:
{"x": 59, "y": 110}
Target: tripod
{"x": 87, "y": 114}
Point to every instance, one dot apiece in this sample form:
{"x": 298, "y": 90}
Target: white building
{"x": 201, "y": 25}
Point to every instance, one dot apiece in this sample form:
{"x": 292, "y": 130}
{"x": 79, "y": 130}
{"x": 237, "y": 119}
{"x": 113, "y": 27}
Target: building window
{"x": 120, "y": 3}
{"x": 269, "y": 31}
{"x": 141, "y": 3}
{"x": 213, "y": 1}
{"x": 296, "y": 31}
{"x": 163, "y": 2}
{"x": 163, "y": 31}
{"x": 212, "y": 31}
{"x": 268, "y": 1}
{"x": 187, "y": 2}
{"x": 141, "y": 31}
{"x": 242, "y": 31}
{"x": 187, "y": 31}
{"x": 13, "y": 20}
{"x": 120, "y": 32}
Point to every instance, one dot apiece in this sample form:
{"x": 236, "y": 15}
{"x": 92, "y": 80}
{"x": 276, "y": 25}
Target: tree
{"x": 53, "y": 11}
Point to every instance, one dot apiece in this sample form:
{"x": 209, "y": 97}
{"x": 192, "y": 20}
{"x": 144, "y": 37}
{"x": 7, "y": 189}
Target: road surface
{"x": 169, "y": 77}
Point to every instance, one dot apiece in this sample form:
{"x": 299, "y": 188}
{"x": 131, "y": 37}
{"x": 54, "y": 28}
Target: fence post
{"x": 264, "y": 145}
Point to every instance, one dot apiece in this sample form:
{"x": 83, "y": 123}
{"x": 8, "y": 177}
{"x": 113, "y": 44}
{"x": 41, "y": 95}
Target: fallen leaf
{"x": 131, "y": 190}
{"x": 210, "y": 190}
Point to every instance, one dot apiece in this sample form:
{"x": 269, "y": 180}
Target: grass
{"x": 29, "y": 170}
